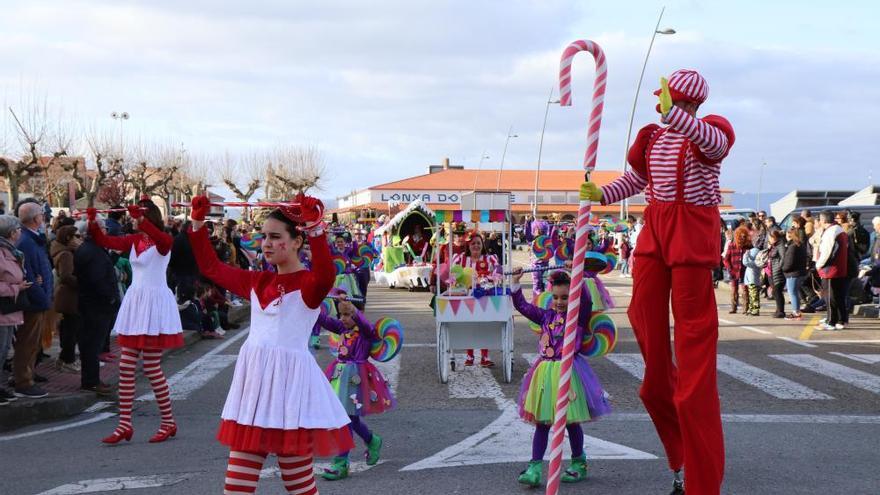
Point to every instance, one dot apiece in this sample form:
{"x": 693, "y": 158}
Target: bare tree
{"x": 104, "y": 163}
{"x": 249, "y": 170}
{"x": 151, "y": 168}
{"x": 294, "y": 169}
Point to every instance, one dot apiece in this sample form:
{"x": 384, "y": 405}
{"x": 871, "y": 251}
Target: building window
{"x": 557, "y": 198}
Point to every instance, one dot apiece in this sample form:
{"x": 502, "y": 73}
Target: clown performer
{"x": 678, "y": 164}
{"x": 360, "y": 386}
{"x": 148, "y": 321}
{"x": 279, "y": 401}
{"x": 484, "y": 266}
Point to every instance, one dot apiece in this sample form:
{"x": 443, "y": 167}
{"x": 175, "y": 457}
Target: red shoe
{"x": 469, "y": 361}
{"x": 119, "y": 434}
{"x": 487, "y": 363}
{"x": 165, "y": 432}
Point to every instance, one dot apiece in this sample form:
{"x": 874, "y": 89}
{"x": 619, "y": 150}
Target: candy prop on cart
{"x": 340, "y": 263}
{"x": 390, "y": 341}
{"x": 580, "y": 247}
{"x": 542, "y": 247}
{"x": 462, "y": 277}
{"x": 601, "y": 337}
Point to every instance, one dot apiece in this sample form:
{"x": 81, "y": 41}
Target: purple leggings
{"x": 360, "y": 428}
{"x": 542, "y": 435}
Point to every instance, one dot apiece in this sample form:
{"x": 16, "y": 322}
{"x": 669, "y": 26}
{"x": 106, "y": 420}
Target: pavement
{"x": 801, "y": 416}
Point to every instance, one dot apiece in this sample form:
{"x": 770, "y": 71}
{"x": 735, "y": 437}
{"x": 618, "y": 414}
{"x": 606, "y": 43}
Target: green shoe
{"x": 373, "y": 450}
{"x": 577, "y": 470}
{"x": 532, "y": 474}
{"x": 315, "y": 342}
{"x": 337, "y": 471}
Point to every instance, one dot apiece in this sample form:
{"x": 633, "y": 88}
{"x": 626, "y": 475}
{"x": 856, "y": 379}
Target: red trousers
{"x": 677, "y": 249}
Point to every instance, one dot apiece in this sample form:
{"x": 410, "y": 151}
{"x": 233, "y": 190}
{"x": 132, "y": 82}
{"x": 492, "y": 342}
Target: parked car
{"x": 867, "y": 213}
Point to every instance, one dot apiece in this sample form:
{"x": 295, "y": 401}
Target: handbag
{"x": 9, "y": 304}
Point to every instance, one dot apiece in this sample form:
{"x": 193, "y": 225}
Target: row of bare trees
{"x": 43, "y": 156}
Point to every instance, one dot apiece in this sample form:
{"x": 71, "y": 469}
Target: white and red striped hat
{"x": 687, "y": 85}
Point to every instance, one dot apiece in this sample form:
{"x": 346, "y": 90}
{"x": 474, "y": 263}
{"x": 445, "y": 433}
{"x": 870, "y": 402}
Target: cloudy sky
{"x": 385, "y": 88}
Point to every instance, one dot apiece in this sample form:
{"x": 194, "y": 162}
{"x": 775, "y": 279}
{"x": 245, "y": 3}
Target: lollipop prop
{"x": 580, "y": 245}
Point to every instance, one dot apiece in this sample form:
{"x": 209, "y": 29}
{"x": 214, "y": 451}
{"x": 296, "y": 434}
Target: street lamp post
{"x": 503, "y": 155}
{"x": 657, "y": 30}
{"x": 550, "y": 101}
{"x": 121, "y": 117}
{"x": 483, "y": 156}
{"x": 760, "y": 185}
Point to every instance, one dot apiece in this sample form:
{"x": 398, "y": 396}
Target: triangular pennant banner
{"x": 470, "y": 303}
{"x": 455, "y": 303}
{"x": 484, "y": 216}
{"x": 496, "y": 301}
{"x": 484, "y": 301}
{"x": 442, "y": 304}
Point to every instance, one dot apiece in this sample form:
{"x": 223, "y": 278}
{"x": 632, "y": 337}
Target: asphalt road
{"x": 802, "y": 416}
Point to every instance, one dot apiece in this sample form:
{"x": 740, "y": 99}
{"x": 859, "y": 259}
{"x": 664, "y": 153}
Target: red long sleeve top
{"x": 149, "y": 236}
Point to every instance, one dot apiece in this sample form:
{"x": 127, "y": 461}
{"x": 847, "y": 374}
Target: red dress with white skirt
{"x": 148, "y": 317}
{"x": 279, "y": 400}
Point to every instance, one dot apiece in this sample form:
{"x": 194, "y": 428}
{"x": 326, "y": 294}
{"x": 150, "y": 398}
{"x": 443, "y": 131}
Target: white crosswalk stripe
{"x": 631, "y": 363}
{"x": 854, "y": 377}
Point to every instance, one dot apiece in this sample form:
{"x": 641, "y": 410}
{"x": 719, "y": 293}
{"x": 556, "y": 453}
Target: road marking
{"x": 818, "y": 419}
{"x": 756, "y": 330}
{"x": 846, "y": 341}
{"x": 775, "y": 385}
{"x": 798, "y": 342}
{"x": 809, "y": 328}
{"x": 631, "y": 363}
{"x": 391, "y": 371}
{"x": 197, "y": 373}
{"x": 862, "y": 358}
{"x": 319, "y": 467}
{"x": 65, "y": 426}
{"x": 421, "y": 344}
{"x": 117, "y": 484}
{"x": 475, "y": 382}
{"x": 856, "y": 378}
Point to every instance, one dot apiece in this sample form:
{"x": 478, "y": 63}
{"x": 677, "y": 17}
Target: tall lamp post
{"x": 657, "y": 30}
{"x": 483, "y": 156}
{"x": 760, "y": 185}
{"x": 510, "y": 134}
{"x": 550, "y": 101}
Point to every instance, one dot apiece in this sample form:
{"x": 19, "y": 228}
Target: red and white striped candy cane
{"x": 580, "y": 246}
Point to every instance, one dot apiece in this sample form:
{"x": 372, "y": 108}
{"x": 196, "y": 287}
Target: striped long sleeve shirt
{"x": 701, "y": 169}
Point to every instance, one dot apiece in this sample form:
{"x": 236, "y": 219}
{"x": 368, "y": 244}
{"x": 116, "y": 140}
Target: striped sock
{"x": 153, "y": 370}
{"x": 127, "y": 366}
{"x": 297, "y": 474}
{"x": 243, "y": 472}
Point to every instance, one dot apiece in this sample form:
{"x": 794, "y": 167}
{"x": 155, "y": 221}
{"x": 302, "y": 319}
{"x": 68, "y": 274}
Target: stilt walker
{"x": 148, "y": 321}
{"x": 679, "y": 164}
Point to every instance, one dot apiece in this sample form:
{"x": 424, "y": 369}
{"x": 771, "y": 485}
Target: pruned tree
{"x": 248, "y": 170}
{"x": 293, "y": 169}
{"x": 151, "y": 169}
{"x": 104, "y": 165}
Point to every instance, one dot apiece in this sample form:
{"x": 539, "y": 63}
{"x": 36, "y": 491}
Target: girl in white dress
{"x": 279, "y": 401}
{"x": 148, "y": 321}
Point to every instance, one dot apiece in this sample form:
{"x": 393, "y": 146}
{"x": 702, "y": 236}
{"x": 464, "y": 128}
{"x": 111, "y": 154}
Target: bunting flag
{"x": 496, "y": 301}
{"x": 442, "y": 304}
{"x": 440, "y": 217}
{"x": 498, "y": 215}
{"x": 456, "y": 216}
{"x": 484, "y": 216}
{"x": 470, "y": 303}
{"x": 484, "y": 301}
{"x": 455, "y": 303}
{"x": 473, "y": 216}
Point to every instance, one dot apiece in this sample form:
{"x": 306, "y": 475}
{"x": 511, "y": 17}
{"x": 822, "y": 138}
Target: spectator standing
{"x": 809, "y": 223}
{"x": 98, "y": 302}
{"x": 733, "y": 262}
{"x": 856, "y": 242}
{"x": 62, "y": 249}
{"x": 752, "y": 280}
{"x": 777, "y": 276}
{"x": 12, "y": 283}
{"x": 114, "y": 219}
{"x": 38, "y": 271}
{"x": 794, "y": 267}
{"x": 832, "y": 266}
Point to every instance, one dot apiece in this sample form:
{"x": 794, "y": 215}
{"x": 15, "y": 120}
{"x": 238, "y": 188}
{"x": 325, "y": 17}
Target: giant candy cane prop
{"x": 580, "y": 246}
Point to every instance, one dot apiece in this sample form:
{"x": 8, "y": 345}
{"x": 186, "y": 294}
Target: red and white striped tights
{"x": 153, "y": 371}
{"x": 243, "y": 473}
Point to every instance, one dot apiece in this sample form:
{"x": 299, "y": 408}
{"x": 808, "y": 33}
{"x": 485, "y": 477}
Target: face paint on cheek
{"x": 282, "y": 245}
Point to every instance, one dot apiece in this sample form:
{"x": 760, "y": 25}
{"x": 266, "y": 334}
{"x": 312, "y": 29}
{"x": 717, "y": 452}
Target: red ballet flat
{"x": 119, "y": 434}
{"x": 165, "y": 432}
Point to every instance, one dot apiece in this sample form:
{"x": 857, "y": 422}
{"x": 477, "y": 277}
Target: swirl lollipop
{"x": 542, "y": 246}
{"x": 390, "y": 341}
{"x": 367, "y": 252}
{"x": 252, "y": 242}
{"x": 601, "y": 338}
{"x": 358, "y": 261}
{"x": 611, "y": 259}
{"x": 543, "y": 301}
{"x": 328, "y": 308}
{"x": 340, "y": 263}
{"x": 563, "y": 252}
{"x": 595, "y": 262}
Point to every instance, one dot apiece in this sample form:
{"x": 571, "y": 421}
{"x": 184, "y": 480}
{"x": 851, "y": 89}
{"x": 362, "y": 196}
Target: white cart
{"x": 464, "y": 321}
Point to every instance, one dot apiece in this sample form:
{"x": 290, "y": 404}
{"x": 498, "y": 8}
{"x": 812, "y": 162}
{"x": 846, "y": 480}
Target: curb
{"x": 23, "y": 413}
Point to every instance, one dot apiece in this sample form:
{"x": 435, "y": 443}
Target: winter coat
{"x": 777, "y": 254}
{"x": 794, "y": 263}
{"x": 36, "y": 263}
{"x": 96, "y": 278}
{"x": 752, "y": 274}
{"x": 66, "y": 292}
{"x": 733, "y": 262}
{"x": 833, "y": 253}
{"x": 11, "y": 278}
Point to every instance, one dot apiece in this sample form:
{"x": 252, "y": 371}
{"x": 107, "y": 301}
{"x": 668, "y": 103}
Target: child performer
{"x": 279, "y": 401}
{"x": 537, "y": 397}
{"x": 484, "y": 265}
{"x": 148, "y": 320}
{"x": 360, "y": 386}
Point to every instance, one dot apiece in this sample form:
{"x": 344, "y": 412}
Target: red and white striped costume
{"x": 679, "y": 166}
{"x": 484, "y": 266}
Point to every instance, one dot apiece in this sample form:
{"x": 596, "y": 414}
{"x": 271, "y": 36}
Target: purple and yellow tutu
{"x": 361, "y": 387}
{"x": 537, "y": 396}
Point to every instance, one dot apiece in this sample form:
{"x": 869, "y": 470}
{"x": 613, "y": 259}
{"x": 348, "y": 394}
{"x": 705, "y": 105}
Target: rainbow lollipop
{"x": 390, "y": 341}
{"x": 595, "y": 262}
{"x": 563, "y": 252}
{"x": 366, "y": 251}
{"x": 252, "y": 242}
{"x": 340, "y": 263}
{"x": 333, "y": 341}
{"x": 611, "y": 259}
{"x": 328, "y": 308}
{"x": 543, "y": 301}
{"x": 542, "y": 246}
{"x": 601, "y": 338}
{"x": 358, "y": 261}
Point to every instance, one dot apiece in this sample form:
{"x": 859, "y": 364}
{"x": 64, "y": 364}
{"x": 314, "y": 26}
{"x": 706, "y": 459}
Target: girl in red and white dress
{"x": 279, "y": 401}
{"x": 148, "y": 321}
{"x": 484, "y": 266}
